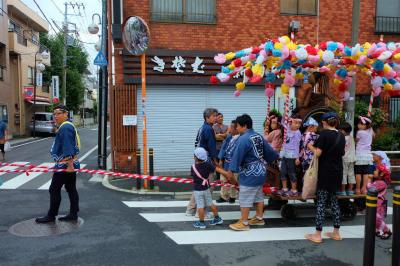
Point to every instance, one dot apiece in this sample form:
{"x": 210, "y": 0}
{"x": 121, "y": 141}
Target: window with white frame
{"x": 189, "y": 11}
{"x": 299, "y": 7}
{"x": 31, "y": 73}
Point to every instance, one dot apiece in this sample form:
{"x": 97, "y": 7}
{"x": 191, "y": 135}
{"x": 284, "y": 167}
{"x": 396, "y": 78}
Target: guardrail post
{"x": 138, "y": 170}
{"x": 370, "y": 224}
{"x": 151, "y": 166}
{"x": 396, "y": 227}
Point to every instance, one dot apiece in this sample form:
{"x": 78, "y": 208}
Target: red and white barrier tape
{"x": 44, "y": 169}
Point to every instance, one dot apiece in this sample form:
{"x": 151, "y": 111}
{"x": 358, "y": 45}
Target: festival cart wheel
{"x": 348, "y": 209}
{"x": 288, "y": 212}
{"x": 276, "y": 204}
{"x": 360, "y": 204}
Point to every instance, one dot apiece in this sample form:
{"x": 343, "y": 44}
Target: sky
{"x": 54, "y": 9}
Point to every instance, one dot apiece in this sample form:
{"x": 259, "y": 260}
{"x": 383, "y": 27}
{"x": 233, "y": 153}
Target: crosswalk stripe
{"x": 228, "y": 215}
{"x": 47, "y": 184}
{"x": 183, "y": 203}
{"x": 11, "y": 167}
{"x": 256, "y": 235}
{"x": 21, "y": 179}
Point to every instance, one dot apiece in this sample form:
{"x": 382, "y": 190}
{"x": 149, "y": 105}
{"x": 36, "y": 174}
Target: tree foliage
{"x": 77, "y": 63}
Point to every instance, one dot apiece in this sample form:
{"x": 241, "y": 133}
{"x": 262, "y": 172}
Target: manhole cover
{"x": 30, "y": 228}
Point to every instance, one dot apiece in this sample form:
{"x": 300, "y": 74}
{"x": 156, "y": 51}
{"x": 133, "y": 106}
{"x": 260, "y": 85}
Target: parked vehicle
{"x": 44, "y": 123}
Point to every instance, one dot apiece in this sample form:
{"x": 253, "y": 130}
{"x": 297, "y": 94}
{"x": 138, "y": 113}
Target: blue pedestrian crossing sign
{"x": 100, "y": 59}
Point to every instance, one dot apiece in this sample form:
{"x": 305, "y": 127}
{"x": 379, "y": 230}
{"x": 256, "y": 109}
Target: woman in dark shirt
{"x": 329, "y": 148}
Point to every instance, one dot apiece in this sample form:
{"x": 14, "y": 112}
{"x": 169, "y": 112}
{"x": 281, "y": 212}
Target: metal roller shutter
{"x": 174, "y": 114}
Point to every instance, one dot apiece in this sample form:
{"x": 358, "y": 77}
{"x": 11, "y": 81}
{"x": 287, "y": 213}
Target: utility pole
{"x": 65, "y": 30}
{"x": 104, "y": 87}
{"x": 65, "y": 35}
{"x": 355, "y": 25}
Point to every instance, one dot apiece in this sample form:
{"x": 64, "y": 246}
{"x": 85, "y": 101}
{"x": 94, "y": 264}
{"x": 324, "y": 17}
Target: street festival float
{"x": 294, "y": 63}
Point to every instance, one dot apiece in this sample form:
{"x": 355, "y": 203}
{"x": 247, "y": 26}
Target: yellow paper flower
{"x": 388, "y": 86}
{"x": 240, "y": 86}
{"x": 278, "y": 46}
{"x": 284, "y": 88}
{"x": 230, "y": 56}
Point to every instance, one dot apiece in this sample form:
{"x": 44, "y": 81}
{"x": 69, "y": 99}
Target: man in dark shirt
{"x": 65, "y": 152}
{"x": 205, "y": 139}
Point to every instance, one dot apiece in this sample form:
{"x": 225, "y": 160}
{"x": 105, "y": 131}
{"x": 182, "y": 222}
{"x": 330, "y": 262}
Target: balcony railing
{"x": 387, "y": 25}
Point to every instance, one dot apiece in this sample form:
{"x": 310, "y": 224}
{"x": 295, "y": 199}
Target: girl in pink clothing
{"x": 363, "y": 166}
{"x": 274, "y": 138}
{"x": 380, "y": 181}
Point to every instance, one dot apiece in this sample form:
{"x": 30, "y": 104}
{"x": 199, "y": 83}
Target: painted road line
{"x": 228, "y": 215}
{"x": 47, "y": 184}
{"x": 11, "y": 167}
{"x": 21, "y": 179}
{"x": 96, "y": 178}
{"x": 170, "y": 204}
{"x": 23, "y": 144}
{"x": 182, "y": 203}
{"x": 256, "y": 235}
{"x": 89, "y": 152}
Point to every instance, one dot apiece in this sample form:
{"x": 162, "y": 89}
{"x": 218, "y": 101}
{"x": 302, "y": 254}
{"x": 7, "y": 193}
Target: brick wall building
{"x": 206, "y": 27}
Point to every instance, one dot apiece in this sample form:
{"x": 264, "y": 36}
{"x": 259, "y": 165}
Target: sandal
{"x": 386, "y": 235}
{"x": 311, "y": 238}
{"x": 332, "y": 236}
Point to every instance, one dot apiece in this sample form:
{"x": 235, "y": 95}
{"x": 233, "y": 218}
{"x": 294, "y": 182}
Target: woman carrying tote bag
{"x": 329, "y": 150}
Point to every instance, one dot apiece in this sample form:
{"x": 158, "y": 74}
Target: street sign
{"x": 100, "y": 59}
{"x": 129, "y": 120}
{"x": 39, "y": 79}
{"x": 55, "y": 87}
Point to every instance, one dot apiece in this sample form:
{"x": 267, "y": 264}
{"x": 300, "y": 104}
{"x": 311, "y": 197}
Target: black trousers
{"x": 57, "y": 182}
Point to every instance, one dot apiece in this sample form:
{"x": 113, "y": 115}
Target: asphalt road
{"x": 129, "y": 229}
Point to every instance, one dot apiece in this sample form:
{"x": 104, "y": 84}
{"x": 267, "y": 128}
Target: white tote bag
{"x": 7, "y": 146}
{"x": 310, "y": 179}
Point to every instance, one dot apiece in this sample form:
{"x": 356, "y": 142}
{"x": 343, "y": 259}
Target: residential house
{"x": 25, "y": 56}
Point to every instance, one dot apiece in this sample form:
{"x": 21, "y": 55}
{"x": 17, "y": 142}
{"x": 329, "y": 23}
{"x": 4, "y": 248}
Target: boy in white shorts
{"x": 200, "y": 171}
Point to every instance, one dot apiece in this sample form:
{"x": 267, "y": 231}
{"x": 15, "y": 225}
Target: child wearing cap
{"x": 363, "y": 165}
{"x": 348, "y": 162}
{"x": 307, "y": 141}
{"x": 200, "y": 171}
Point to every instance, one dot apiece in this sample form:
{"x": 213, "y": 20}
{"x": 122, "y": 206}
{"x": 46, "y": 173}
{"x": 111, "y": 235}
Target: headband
{"x": 364, "y": 120}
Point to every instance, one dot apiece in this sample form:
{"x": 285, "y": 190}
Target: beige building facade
{"x": 24, "y": 52}
{"x": 5, "y": 84}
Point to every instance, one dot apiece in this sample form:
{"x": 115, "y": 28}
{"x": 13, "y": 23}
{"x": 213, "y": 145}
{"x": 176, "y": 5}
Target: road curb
{"x": 106, "y": 183}
{"x": 178, "y": 195}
